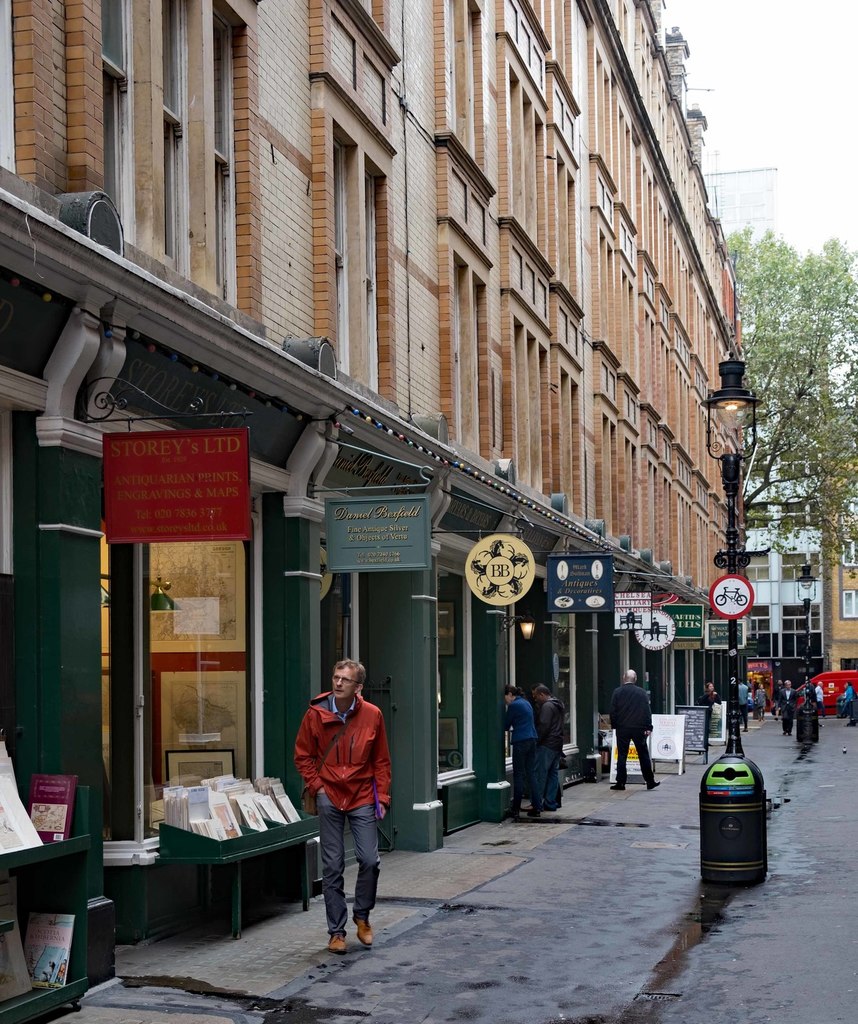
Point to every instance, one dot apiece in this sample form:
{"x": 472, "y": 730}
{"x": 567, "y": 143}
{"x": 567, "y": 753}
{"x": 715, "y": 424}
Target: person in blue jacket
{"x": 520, "y": 723}
{"x": 849, "y": 704}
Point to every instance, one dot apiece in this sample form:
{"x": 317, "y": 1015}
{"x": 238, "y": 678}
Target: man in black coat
{"x": 631, "y": 719}
{"x": 787, "y": 703}
{"x": 550, "y": 714}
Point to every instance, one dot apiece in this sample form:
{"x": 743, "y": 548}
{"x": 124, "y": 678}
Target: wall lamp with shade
{"x": 160, "y": 601}
{"x": 526, "y": 623}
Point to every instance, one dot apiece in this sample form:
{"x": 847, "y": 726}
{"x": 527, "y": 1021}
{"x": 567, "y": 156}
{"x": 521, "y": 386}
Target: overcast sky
{"x": 783, "y": 78}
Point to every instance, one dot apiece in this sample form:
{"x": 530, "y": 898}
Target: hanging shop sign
{"x": 500, "y": 569}
{"x": 631, "y": 610}
{"x": 688, "y": 619}
{"x": 580, "y": 583}
{"x": 377, "y": 534}
{"x": 717, "y": 633}
{"x": 658, "y": 634}
{"x": 177, "y": 485}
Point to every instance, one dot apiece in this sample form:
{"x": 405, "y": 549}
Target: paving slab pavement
{"x": 206, "y": 976}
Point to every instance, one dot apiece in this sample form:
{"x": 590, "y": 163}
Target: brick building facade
{"x": 457, "y": 241}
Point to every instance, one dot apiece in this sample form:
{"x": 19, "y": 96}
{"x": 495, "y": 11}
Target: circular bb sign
{"x": 731, "y": 597}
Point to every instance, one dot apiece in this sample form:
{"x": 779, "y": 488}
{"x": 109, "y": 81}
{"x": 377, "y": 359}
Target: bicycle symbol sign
{"x": 731, "y": 597}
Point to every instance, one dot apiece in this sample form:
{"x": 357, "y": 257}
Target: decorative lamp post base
{"x": 806, "y": 728}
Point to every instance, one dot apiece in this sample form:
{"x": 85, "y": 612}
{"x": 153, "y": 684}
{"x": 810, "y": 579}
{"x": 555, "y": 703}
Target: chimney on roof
{"x": 676, "y": 53}
{"x": 697, "y": 125}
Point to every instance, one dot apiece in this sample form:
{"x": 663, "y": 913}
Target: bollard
{"x": 733, "y": 822}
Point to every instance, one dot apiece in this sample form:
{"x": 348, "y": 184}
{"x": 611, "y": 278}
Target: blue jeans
{"x": 524, "y": 767}
{"x": 547, "y": 777}
{"x": 364, "y": 831}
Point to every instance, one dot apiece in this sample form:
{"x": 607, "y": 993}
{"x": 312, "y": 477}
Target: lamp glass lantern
{"x": 806, "y": 584}
{"x": 733, "y": 406}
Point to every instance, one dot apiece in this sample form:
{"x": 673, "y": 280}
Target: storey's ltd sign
{"x": 176, "y": 485}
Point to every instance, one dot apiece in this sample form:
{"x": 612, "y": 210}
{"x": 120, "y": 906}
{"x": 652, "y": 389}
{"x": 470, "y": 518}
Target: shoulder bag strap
{"x": 331, "y": 744}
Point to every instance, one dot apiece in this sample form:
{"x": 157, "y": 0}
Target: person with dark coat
{"x": 787, "y": 703}
{"x": 631, "y": 720}
{"x": 518, "y": 720}
{"x": 550, "y": 713}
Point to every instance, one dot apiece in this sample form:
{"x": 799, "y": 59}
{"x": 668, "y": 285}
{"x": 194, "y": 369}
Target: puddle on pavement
{"x": 694, "y": 928}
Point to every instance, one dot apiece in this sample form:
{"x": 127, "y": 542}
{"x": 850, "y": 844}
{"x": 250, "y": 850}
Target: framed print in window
{"x": 448, "y": 733}
{"x": 446, "y": 629}
{"x": 189, "y": 767}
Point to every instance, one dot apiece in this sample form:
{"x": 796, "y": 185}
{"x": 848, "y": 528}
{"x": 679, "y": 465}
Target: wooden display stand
{"x": 52, "y": 879}
{"x": 179, "y": 846}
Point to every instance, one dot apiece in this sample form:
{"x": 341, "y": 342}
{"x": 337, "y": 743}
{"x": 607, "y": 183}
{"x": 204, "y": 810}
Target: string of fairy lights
{"x": 355, "y": 412}
{"x": 452, "y": 462}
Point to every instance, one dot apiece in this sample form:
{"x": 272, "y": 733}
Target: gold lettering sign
{"x": 500, "y": 569}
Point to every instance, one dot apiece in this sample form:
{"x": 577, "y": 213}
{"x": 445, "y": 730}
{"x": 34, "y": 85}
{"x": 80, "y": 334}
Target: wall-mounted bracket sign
{"x": 176, "y": 485}
{"x": 658, "y": 634}
{"x": 580, "y": 583}
{"x": 377, "y": 534}
{"x": 631, "y": 610}
{"x": 500, "y": 569}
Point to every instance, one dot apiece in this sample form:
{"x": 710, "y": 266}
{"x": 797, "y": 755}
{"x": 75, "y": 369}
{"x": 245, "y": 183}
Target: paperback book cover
{"x": 47, "y": 947}
{"x": 52, "y": 805}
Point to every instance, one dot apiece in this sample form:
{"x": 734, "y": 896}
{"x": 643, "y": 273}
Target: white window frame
{"x": 7, "y": 91}
{"x": 371, "y": 279}
{"x": 224, "y": 162}
{"x": 850, "y": 604}
{"x": 120, "y": 104}
{"x": 176, "y": 193}
{"x": 341, "y": 276}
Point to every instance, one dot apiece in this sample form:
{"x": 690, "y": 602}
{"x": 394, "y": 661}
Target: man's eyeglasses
{"x": 344, "y": 679}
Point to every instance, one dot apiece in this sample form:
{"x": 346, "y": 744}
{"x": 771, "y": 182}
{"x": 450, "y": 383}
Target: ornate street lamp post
{"x": 732, "y": 795}
{"x": 735, "y": 407}
{"x": 807, "y": 726}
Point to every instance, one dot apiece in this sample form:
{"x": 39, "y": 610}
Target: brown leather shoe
{"x": 337, "y": 944}
{"x": 364, "y": 932}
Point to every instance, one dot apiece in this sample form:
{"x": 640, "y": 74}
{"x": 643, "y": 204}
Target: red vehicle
{"x": 833, "y": 684}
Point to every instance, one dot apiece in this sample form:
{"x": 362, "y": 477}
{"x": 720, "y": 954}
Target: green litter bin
{"x": 733, "y": 822}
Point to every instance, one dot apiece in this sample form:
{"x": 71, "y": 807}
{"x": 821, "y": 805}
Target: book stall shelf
{"x": 179, "y": 846}
{"x": 52, "y": 879}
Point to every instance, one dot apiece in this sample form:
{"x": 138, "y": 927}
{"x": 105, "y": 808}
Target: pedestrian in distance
{"x": 550, "y": 713}
{"x": 520, "y": 724}
{"x": 631, "y": 720}
{"x": 709, "y": 696}
{"x": 342, "y": 755}
{"x": 777, "y": 689}
{"x": 849, "y": 704}
{"x": 743, "y": 704}
{"x": 760, "y": 703}
{"x": 787, "y": 702}
{"x": 820, "y": 702}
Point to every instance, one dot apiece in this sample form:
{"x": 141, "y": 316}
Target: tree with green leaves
{"x": 800, "y": 343}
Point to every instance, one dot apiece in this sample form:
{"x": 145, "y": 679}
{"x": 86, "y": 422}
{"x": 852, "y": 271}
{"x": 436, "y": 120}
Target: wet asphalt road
{"x": 610, "y": 922}
{"x": 607, "y": 921}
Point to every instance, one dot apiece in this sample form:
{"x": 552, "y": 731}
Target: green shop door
{"x": 397, "y": 615}
{"x": 377, "y": 691}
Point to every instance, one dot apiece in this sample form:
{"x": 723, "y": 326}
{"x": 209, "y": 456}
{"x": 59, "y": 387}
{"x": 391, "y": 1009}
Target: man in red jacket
{"x": 342, "y": 755}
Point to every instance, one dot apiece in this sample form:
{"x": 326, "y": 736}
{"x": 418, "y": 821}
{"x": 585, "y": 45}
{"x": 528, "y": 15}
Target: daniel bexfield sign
{"x": 375, "y": 534}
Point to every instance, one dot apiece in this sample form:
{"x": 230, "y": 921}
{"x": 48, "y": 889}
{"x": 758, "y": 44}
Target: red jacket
{"x": 359, "y": 755}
